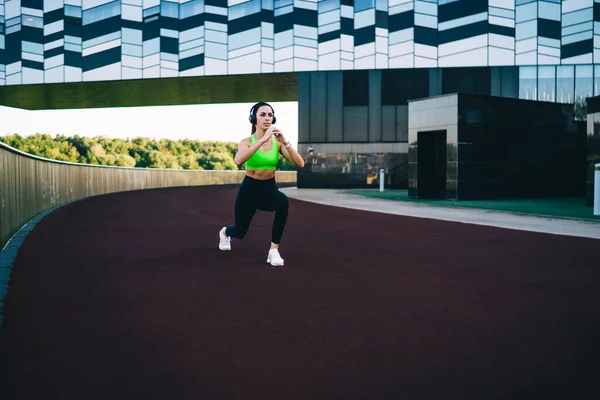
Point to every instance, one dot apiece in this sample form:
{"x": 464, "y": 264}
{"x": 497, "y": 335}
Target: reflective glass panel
{"x": 528, "y": 83}
{"x": 546, "y": 83}
{"x": 596, "y": 80}
{"x": 584, "y": 81}
{"x": 565, "y": 83}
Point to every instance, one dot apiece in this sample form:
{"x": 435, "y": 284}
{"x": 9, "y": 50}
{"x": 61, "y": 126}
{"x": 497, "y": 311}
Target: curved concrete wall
{"x": 30, "y": 185}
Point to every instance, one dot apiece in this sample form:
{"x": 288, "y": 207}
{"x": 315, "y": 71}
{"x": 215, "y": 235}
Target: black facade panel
{"x": 151, "y": 30}
{"x": 326, "y": 37}
{"x": 427, "y": 36}
{"x": 55, "y": 36}
{"x": 284, "y": 23}
{"x": 101, "y": 28}
{"x": 548, "y": 28}
{"x": 243, "y": 24}
{"x": 125, "y": 23}
{"x": 73, "y": 59}
{"x": 364, "y": 35}
{"x": 219, "y": 19}
{"x": 30, "y": 34}
{"x": 346, "y": 26}
{"x": 33, "y": 65}
{"x": 398, "y": 22}
{"x": 169, "y": 23}
{"x": 381, "y": 19}
{"x": 73, "y": 20}
{"x": 12, "y": 48}
{"x": 169, "y": 45}
{"x": 463, "y": 32}
{"x": 502, "y": 30}
{"x": 72, "y": 29}
{"x": 216, "y": 3}
{"x": 347, "y": 3}
{"x": 54, "y": 52}
{"x": 577, "y": 48}
{"x": 459, "y": 9}
{"x": 101, "y": 59}
{"x": 306, "y": 17}
{"x": 54, "y": 16}
{"x": 267, "y": 16}
{"x": 191, "y": 22}
{"x": 596, "y": 11}
{"x": 191, "y": 62}
{"x": 37, "y": 4}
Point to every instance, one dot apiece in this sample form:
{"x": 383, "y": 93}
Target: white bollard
{"x": 381, "y": 179}
{"x": 597, "y": 189}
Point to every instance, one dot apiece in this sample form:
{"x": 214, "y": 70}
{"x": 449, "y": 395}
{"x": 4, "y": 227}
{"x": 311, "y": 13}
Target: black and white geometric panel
{"x": 49, "y": 41}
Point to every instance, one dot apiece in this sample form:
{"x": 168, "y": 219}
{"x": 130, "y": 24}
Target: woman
{"x": 258, "y": 190}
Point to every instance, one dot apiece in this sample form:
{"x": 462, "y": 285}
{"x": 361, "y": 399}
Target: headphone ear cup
{"x": 252, "y": 118}
{"x": 274, "y": 119}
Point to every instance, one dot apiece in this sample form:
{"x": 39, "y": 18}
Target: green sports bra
{"x": 264, "y": 160}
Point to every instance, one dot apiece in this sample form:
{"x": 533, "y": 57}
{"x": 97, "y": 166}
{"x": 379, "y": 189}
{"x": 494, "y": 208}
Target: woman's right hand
{"x": 267, "y": 136}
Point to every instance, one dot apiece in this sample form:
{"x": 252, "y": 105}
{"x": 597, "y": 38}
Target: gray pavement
{"x": 557, "y": 226}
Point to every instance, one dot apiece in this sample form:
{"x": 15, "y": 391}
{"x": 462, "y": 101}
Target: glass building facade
{"x": 555, "y": 43}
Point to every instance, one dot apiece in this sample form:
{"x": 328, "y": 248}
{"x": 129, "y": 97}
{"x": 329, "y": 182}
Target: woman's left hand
{"x": 279, "y": 135}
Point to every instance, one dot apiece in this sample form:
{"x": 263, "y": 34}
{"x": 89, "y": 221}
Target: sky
{"x": 220, "y": 122}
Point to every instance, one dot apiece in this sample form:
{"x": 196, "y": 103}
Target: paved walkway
{"x": 557, "y": 226}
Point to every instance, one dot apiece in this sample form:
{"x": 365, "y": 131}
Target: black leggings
{"x": 255, "y": 195}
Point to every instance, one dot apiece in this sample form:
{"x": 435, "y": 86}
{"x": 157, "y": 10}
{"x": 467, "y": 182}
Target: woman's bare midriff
{"x": 261, "y": 175}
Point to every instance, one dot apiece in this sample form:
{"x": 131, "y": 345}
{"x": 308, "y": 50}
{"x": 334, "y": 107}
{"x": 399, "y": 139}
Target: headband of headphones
{"x": 254, "y": 109}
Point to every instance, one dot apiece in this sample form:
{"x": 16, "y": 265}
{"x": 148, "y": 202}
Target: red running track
{"x": 126, "y": 296}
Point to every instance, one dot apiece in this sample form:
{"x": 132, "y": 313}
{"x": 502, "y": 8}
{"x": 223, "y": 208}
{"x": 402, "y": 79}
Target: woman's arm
{"x": 292, "y": 156}
{"x": 288, "y": 152}
{"x": 246, "y": 149}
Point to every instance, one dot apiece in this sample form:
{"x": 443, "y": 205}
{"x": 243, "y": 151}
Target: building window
{"x": 546, "y": 83}
{"x": 528, "y": 83}
{"x": 101, "y": 12}
{"x": 72, "y": 11}
{"x": 596, "y": 80}
{"x": 565, "y": 84}
{"x": 400, "y": 85}
{"x": 584, "y": 81}
{"x": 356, "y": 88}
{"x": 475, "y": 80}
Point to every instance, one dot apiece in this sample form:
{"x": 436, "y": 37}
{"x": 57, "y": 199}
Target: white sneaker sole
{"x": 273, "y": 263}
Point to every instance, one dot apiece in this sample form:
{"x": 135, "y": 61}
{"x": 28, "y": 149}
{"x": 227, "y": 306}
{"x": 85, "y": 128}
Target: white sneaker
{"x": 274, "y": 258}
{"x": 224, "y": 240}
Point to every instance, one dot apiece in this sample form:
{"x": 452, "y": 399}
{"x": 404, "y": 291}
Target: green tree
{"x": 139, "y": 152}
{"x": 580, "y": 109}
{"x": 215, "y": 160}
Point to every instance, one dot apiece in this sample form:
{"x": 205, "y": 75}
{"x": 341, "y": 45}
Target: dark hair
{"x": 253, "y": 112}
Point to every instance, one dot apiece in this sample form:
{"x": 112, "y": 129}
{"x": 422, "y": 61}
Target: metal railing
{"x": 30, "y": 185}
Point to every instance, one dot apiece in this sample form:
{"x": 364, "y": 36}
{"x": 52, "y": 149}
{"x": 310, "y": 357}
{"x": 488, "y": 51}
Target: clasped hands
{"x": 273, "y": 131}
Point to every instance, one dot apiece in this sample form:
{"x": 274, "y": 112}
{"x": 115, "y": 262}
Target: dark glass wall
{"x": 510, "y": 148}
